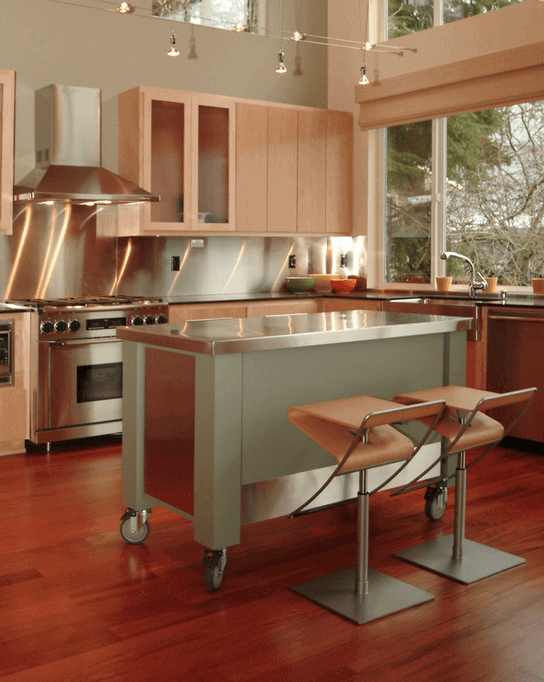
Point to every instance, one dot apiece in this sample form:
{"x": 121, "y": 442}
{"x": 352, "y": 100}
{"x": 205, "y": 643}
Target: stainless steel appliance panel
{"x": 6, "y": 352}
{"x": 89, "y": 374}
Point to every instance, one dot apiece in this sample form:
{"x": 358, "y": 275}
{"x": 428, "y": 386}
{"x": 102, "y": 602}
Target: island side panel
{"x": 218, "y": 437}
{"x": 169, "y": 428}
{"x": 275, "y": 380}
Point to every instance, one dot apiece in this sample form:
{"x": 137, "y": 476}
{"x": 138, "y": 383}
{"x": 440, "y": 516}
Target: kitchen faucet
{"x": 474, "y": 283}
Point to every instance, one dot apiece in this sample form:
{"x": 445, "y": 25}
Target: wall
{"x": 49, "y": 42}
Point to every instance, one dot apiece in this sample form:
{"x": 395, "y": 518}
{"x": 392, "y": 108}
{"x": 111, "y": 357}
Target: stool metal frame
{"x": 361, "y": 594}
{"x": 454, "y": 556}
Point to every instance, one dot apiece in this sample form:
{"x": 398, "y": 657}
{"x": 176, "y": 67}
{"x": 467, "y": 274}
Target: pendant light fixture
{"x": 363, "y": 80}
{"x": 281, "y": 54}
{"x": 125, "y": 8}
{"x": 179, "y": 10}
{"x": 173, "y": 51}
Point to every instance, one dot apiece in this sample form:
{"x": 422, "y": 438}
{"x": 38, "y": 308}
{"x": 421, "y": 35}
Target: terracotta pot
{"x": 491, "y": 284}
{"x": 443, "y": 283}
{"x": 538, "y": 285}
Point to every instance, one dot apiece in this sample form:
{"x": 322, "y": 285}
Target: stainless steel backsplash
{"x": 55, "y": 251}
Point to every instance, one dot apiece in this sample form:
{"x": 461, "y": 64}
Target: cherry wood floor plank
{"x": 78, "y": 603}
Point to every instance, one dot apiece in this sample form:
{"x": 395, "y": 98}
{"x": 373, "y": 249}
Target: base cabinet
{"x": 14, "y": 400}
{"x": 205, "y": 311}
{"x": 263, "y": 308}
{"x": 332, "y": 305}
{"x": 208, "y": 311}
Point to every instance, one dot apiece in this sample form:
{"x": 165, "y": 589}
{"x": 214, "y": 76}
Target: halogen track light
{"x": 125, "y": 8}
{"x": 173, "y": 51}
{"x": 281, "y": 66}
{"x": 363, "y": 80}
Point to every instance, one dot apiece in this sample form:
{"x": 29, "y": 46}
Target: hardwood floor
{"x": 79, "y": 604}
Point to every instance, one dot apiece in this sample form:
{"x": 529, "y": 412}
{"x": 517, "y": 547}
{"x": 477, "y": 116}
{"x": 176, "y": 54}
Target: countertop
{"x": 217, "y": 337}
{"x": 9, "y": 308}
{"x": 511, "y": 300}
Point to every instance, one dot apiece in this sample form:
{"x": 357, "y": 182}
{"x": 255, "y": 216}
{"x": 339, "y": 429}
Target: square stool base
{"x": 478, "y": 561}
{"x": 387, "y": 595}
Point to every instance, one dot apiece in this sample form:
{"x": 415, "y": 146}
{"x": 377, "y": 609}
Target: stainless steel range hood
{"x": 68, "y": 157}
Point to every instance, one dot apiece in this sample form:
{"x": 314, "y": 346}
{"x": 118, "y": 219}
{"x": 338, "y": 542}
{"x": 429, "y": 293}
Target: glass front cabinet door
{"x": 179, "y": 145}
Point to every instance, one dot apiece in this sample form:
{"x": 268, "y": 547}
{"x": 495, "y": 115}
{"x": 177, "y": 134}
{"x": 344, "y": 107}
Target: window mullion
{"x": 438, "y": 206}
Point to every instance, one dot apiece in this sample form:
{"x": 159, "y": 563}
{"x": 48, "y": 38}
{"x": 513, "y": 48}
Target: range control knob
{"x": 74, "y": 325}
{"x": 46, "y": 327}
{"x": 162, "y": 319}
{"x": 137, "y": 320}
{"x": 150, "y": 319}
{"x": 61, "y": 326}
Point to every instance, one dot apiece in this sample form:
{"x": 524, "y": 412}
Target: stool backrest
{"x": 404, "y": 413}
{"x": 511, "y": 398}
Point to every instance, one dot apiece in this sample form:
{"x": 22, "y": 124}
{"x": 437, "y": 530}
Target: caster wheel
{"x": 137, "y": 537}
{"x": 214, "y": 562}
{"x": 435, "y": 504}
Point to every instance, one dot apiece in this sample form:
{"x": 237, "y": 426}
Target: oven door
{"x": 85, "y": 382}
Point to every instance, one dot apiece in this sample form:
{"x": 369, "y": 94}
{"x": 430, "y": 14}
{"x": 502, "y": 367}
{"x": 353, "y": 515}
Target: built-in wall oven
{"x": 6, "y": 352}
{"x": 77, "y": 364}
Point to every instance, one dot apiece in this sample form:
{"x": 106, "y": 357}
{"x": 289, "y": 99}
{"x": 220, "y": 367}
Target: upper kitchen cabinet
{"x": 293, "y": 170}
{"x": 311, "y": 173}
{"x": 266, "y": 168}
{"x": 179, "y": 145}
{"x": 7, "y": 110}
{"x": 251, "y": 167}
{"x": 282, "y": 140}
{"x": 339, "y": 173}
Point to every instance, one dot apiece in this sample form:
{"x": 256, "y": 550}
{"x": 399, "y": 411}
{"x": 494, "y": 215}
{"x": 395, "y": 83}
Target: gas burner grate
{"x": 82, "y": 301}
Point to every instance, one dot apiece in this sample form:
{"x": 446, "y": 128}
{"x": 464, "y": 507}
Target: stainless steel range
{"x": 77, "y": 364}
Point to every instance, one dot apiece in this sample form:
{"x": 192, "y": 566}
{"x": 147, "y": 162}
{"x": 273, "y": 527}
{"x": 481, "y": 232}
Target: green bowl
{"x": 298, "y": 285}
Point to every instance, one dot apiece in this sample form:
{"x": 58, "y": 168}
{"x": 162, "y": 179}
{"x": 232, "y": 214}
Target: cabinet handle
{"x": 80, "y": 343}
{"x": 509, "y": 317}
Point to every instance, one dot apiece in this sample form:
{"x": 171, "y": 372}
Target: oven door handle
{"x": 84, "y": 342}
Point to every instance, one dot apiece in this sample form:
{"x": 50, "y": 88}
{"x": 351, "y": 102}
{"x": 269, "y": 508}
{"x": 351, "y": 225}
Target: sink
{"x": 427, "y": 305}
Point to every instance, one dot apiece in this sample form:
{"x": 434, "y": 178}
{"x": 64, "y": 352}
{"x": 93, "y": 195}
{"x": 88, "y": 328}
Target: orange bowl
{"x": 343, "y": 286}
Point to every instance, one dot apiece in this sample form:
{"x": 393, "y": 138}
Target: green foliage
{"x": 471, "y": 143}
{"x": 461, "y": 9}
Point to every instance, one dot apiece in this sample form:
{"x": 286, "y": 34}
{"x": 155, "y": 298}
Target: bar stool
{"x": 463, "y": 426}
{"x": 359, "y": 433}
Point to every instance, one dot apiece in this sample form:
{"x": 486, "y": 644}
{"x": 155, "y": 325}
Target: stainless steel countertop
{"x": 230, "y": 335}
{"x": 10, "y": 308}
{"x": 512, "y": 300}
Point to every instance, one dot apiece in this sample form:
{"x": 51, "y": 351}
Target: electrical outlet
{"x": 176, "y": 264}
{"x": 292, "y": 261}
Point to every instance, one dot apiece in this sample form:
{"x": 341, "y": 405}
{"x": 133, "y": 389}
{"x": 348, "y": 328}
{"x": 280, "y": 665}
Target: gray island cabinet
{"x": 205, "y": 428}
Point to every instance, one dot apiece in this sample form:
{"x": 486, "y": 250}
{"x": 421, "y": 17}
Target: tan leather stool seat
{"x": 333, "y": 425}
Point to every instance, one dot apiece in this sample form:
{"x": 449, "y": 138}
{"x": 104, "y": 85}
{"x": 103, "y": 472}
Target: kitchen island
{"x": 205, "y": 428}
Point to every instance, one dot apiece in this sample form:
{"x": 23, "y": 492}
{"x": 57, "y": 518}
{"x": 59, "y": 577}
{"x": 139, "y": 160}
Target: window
{"x": 495, "y": 195}
{"x": 217, "y": 13}
{"x": 472, "y": 183}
